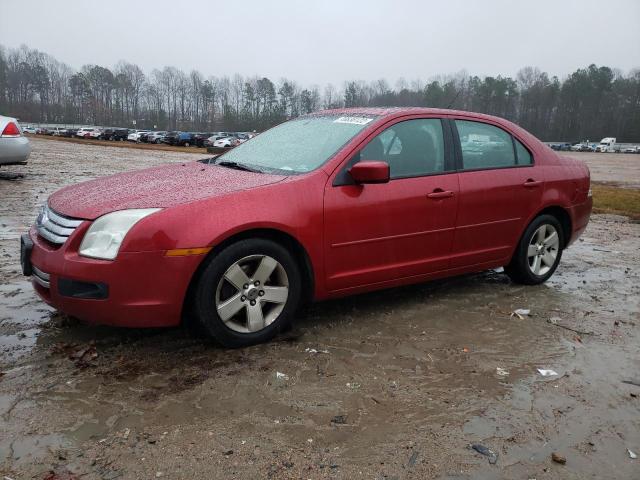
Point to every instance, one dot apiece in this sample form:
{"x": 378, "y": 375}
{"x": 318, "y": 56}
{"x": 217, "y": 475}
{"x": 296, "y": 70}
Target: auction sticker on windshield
{"x": 353, "y": 120}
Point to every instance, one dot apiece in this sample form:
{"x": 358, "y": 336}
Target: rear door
{"x": 383, "y": 232}
{"x": 500, "y": 187}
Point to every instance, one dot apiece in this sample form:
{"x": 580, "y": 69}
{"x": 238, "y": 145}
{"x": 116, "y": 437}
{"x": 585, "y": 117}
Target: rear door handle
{"x": 439, "y": 193}
{"x": 530, "y": 183}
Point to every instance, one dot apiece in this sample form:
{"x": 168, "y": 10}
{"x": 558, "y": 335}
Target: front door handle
{"x": 530, "y": 183}
{"x": 439, "y": 193}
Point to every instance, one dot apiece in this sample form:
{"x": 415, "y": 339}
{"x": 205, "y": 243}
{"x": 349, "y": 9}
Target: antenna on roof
{"x": 454, "y": 99}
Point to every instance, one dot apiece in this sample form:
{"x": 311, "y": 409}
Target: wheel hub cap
{"x": 252, "y": 293}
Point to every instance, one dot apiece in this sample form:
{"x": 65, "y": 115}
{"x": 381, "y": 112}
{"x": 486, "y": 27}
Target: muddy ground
{"x": 394, "y": 384}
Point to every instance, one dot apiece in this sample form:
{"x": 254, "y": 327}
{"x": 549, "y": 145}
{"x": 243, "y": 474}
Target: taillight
{"x": 11, "y": 130}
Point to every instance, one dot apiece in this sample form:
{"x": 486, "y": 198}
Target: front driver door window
{"x": 411, "y": 148}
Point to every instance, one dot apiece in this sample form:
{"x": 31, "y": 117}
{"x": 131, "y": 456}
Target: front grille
{"x": 54, "y": 227}
{"x": 41, "y": 278}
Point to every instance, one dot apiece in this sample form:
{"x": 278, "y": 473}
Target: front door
{"x": 378, "y": 233}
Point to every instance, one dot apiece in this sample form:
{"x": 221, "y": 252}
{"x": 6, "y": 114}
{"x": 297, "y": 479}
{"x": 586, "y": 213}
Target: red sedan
{"x": 326, "y": 205}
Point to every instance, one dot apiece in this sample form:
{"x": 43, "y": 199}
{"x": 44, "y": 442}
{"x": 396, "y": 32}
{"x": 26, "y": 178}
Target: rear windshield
{"x": 298, "y": 146}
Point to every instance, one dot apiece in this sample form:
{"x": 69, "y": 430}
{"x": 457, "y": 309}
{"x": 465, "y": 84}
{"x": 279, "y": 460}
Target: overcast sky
{"x": 315, "y": 42}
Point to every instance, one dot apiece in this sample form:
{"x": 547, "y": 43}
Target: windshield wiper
{"x": 237, "y": 166}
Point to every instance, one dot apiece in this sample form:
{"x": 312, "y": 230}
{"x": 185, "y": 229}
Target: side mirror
{"x": 370, "y": 171}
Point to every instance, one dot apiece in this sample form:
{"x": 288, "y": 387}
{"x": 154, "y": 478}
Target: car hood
{"x": 164, "y": 186}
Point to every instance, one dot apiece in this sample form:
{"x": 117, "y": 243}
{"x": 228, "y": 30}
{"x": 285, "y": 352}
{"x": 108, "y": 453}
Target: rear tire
{"x": 248, "y": 293}
{"x": 538, "y": 252}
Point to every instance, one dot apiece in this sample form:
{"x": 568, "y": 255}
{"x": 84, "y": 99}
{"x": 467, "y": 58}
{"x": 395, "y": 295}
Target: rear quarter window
{"x": 523, "y": 155}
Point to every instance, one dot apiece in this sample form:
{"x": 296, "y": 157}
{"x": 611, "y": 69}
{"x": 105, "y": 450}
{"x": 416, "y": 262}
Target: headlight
{"x": 105, "y": 235}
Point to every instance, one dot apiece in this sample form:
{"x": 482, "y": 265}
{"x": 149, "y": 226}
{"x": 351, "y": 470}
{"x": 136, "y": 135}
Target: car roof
{"x": 400, "y": 111}
{"x": 386, "y": 113}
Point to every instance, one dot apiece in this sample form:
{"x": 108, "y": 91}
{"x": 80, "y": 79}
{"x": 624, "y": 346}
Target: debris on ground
{"x": 413, "y": 458}
{"x": 521, "y": 313}
{"x": 556, "y": 457}
{"x": 84, "y": 356}
{"x": 282, "y": 376}
{"x": 487, "y": 452}
{"x": 501, "y": 372}
{"x": 631, "y": 454}
{"x": 547, "y": 372}
{"x": 52, "y": 475}
{"x": 313, "y": 350}
{"x": 635, "y": 383}
{"x": 556, "y": 322}
{"x": 339, "y": 420}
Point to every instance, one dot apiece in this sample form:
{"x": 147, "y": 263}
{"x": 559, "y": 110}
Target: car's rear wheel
{"x": 538, "y": 253}
{"x": 248, "y": 293}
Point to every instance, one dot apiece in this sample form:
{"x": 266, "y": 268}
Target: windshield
{"x": 297, "y": 146}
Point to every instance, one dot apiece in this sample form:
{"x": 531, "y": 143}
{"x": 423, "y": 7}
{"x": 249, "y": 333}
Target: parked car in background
{"x": 632, "y": 149}
{"x": 200, "y": 138}
{"x": 228, "y": 142}
{"x": 135, "y": 135}
{"x": 14, "y": 146}
{"x": 70, "y": 133}
{"x": 216, "y": 136}
{"x": 333, "y": 203}
{"x": 58, "y": 132}
{"x": 581, "y": 147}
{"x": 29, "y": 129}
{"x": 155, "y": 137}
{"x": 142, "y": 138}
{"x": 119, "y": 134}
{"x": 186, "y": 139}
{"x": 171, "y": 138}
{"x": 85, "y": 132}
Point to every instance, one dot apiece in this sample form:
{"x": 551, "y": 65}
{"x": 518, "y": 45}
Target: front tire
{"x": 538, "y": 252}
{"x": 248, "y": 293}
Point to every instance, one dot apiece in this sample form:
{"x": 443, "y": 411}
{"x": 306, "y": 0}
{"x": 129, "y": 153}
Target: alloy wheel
{"x": 252, "y": 293}
{"x": 543, "y": 249}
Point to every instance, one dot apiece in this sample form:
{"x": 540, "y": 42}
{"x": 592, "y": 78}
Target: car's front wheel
{"x": 248, "y": 293}
{"x": 538, "y": 253}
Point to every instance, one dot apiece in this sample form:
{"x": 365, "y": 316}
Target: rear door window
{"x": 484, "y": 146}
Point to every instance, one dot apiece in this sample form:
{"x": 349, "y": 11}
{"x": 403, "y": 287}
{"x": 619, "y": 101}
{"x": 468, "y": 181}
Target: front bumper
{"x": 138, "y": 289}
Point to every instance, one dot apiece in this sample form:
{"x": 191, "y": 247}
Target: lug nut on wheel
{"x": 261, "y": 293}
{"x": 256, "y": 283}
{"x": 245, "y": 286}
{"x": 253, "y": 302}
{"x": 243, "y": 298}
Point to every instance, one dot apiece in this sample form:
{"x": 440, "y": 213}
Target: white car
{"x": 86, "y": 132}
{"x": 135, "y": 136}
{"x": 14, "y": 146}
{"x": 227, "y": 142}
{"x": 29, "y": 129}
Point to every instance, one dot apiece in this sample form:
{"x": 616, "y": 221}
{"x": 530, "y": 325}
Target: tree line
{"x": 590, "y": 103}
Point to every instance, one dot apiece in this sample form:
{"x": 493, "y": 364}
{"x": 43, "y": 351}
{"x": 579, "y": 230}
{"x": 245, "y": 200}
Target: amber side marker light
{"x": 185, "y": 252}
